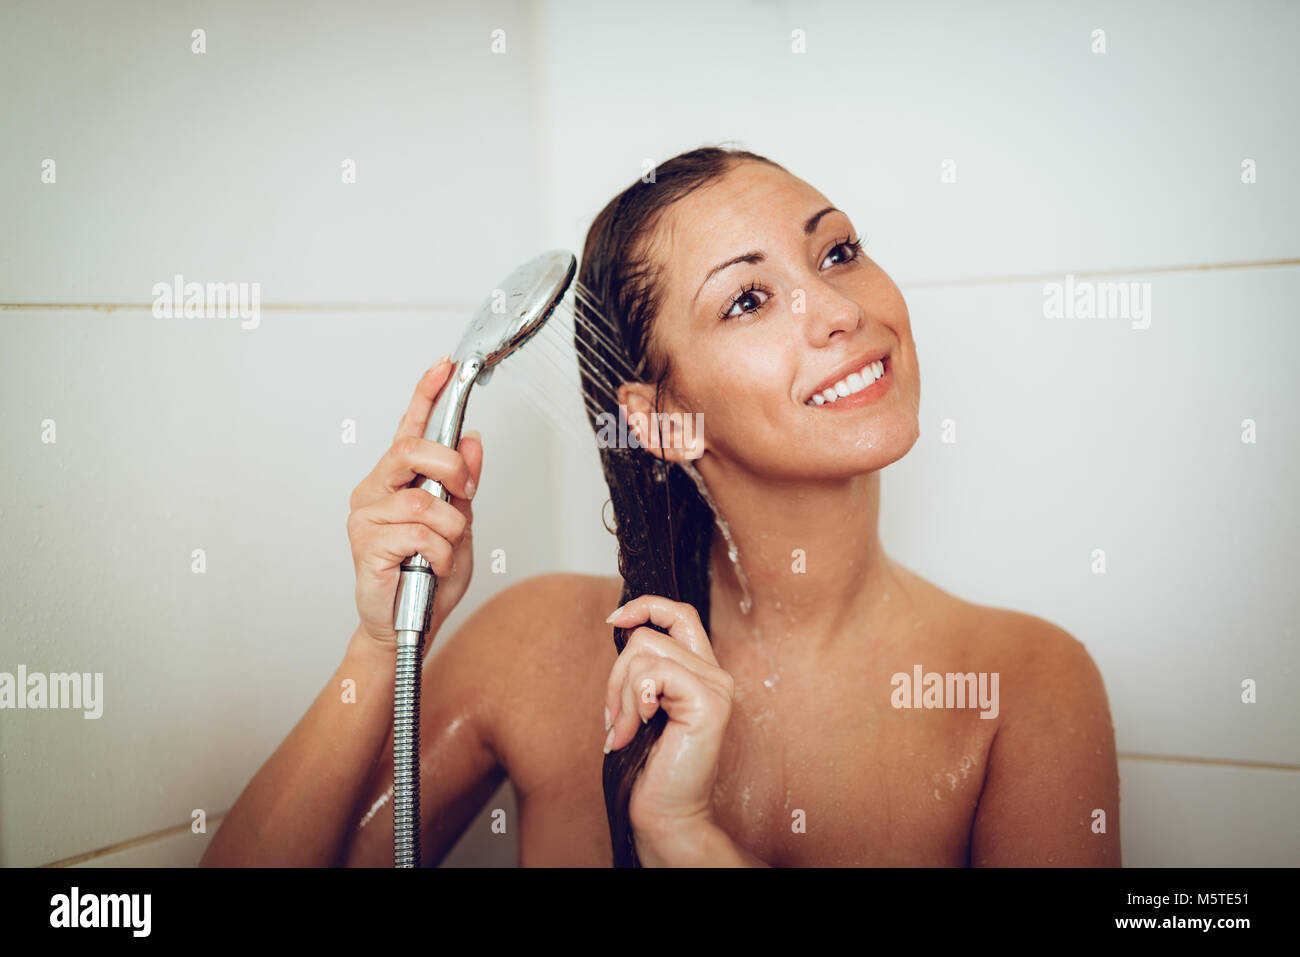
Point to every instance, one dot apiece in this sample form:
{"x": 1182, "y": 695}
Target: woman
{"x": 813, "y": 703}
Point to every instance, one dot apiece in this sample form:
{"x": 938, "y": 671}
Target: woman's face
{"x": 765, "y": 302}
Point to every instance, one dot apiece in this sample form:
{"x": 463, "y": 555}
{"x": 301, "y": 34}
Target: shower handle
{"x": 413, "y": 608}
{"x": 414, "y": 603}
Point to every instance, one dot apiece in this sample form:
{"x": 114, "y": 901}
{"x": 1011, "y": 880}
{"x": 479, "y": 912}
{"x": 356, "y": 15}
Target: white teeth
{"x": 853, "y": 382}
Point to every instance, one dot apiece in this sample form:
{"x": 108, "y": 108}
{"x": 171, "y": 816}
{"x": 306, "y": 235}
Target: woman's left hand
{"x": 672, "y": 799}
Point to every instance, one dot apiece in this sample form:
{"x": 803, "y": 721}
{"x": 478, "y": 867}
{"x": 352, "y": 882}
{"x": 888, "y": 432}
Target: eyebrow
{"x": 756, "y": 256}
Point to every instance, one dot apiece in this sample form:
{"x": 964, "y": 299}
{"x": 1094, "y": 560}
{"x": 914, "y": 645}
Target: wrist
{"x": 366, "y": 651}
{"x": 698, "y": 842}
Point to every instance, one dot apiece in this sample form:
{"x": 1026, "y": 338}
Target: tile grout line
{"x": 463, "y": 307}
{"x": 1121, "y": 755}
{"x": 130, "y": 843}
{"x": 1210, "y": 762}
{"x": 272, "y": 306}
{"x": 1134, "y": 271}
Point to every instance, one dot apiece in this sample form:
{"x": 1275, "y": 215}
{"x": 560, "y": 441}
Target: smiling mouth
{"x": 855, "y": 388}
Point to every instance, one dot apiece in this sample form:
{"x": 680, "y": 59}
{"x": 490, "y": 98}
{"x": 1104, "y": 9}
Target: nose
{"x": 830, "y": 313}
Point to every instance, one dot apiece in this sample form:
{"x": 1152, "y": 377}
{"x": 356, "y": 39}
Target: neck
{"x": 811, "y": 554}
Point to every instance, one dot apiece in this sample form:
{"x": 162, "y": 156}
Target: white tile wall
{"x": 1072, "y": 434}
{"x": 1186, "y": 815}
{"x": 226, "y": 165}
{"x": 180, "y": 434}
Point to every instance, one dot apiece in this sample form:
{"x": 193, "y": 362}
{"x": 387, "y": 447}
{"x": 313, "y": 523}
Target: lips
{"x": 859, "y": 367}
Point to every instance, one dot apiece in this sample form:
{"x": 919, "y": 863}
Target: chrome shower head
{"x": 510, "y": 316}
{"x": 515, "y": 310}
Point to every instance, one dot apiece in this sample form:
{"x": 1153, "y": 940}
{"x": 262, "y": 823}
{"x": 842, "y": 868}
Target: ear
{"x": 675, "y": 435}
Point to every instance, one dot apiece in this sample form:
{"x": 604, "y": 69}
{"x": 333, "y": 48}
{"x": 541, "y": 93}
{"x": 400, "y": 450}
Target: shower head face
{"x": 531, "y": 294}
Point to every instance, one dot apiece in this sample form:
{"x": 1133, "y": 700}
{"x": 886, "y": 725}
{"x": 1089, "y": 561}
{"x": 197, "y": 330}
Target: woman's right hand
{"x": 389, "y": 522}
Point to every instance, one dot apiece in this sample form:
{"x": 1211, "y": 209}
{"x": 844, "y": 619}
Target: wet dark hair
{"x": 664, "y": 526}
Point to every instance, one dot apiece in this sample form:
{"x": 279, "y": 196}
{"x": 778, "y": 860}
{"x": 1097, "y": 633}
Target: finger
{"x": 416, "y": 506}
{"x": 415, "y": 456}
{"x": 679, "y": 617}
{"x": 653, "y": 683}
{"x": 645, "y": 641}
{"x": 416, "y": 418}
{"x": 470, "y": 448}
{"x": 399, "y": 542}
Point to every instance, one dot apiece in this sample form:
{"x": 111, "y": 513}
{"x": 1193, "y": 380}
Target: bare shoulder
{"x": 1051, "y": 791}
{"x": 1046, "y": 664}
{"x": 537, "y": 626}
{"x": 553, "y": 598}
{"x": 545, "y": 643}
{"x": 546, "y": 618}
{"x": 557, "y": 603}
{"x": 1028, "y": 648}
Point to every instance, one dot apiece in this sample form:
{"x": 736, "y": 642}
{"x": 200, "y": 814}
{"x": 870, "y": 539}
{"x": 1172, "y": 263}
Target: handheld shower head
{"x": 509, "y": 317}
{"x": 514, "y": 312}
{"x": 518, "y": 307}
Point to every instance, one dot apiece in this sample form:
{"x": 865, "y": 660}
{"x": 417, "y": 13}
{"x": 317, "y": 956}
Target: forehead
{"x": 752, "y": 206}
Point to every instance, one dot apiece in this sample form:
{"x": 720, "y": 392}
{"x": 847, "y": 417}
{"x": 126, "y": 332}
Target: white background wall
{"x": 1072, "y": 435}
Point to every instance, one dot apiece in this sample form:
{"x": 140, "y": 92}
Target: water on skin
{"x": 431, "y": 757}
{"x": 956, "y": 775}
{"x": 733, "y": 553}
{"x": 382, "y": 800}
{"x": 779, "y": 767}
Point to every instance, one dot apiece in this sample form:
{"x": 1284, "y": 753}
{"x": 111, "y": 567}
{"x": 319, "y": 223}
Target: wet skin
{"x": 517, "y": 692}
{"x": 816, "y": 767}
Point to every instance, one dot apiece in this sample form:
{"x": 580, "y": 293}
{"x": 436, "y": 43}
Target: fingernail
{"x": 609, "y": 740}
{"x": 607, "y": 719}
{"x": 471, "y": 433}
{"x": 614, "y": 614}
{"x": 469, "y": 489}
{"x": 644, "y": 720}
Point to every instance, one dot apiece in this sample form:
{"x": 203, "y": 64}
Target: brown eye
{"x": 750, "y": 299}
{"x": 849, "y": 249}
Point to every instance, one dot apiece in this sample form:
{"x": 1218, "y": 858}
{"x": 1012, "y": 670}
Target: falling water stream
{"x": 733, "y": 553}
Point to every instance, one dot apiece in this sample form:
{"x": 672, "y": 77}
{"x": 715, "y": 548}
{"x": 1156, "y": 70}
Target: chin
{"x": 881, "y": 444}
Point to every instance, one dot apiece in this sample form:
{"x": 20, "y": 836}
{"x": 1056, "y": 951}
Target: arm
{"x": 299, "y": 807}
{"x": 462, "y": 684}
{"x": 304, "y": 806}
{"x": 1052, "y": 764}
{"x": 296, "y": 809}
